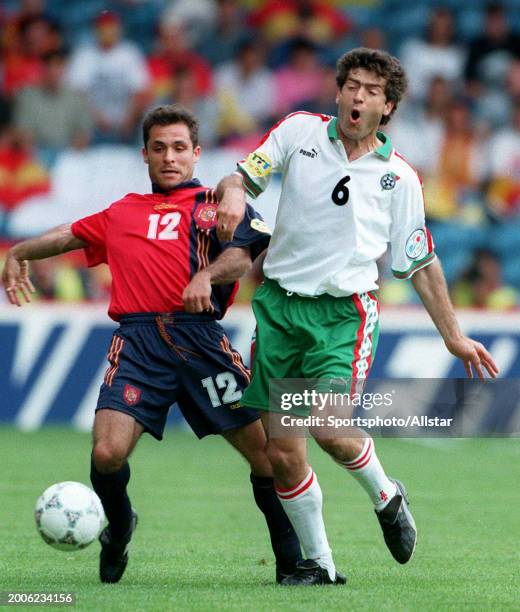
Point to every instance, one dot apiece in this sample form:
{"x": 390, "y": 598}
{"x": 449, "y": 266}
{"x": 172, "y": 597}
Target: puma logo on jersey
{"x": 312, "y": 153}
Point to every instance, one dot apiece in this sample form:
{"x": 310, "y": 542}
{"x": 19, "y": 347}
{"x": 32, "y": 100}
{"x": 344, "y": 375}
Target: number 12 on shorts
{"x": 224, "y": 380}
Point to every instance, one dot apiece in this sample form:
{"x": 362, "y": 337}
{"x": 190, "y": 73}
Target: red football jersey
{"x": 155, "y": 243}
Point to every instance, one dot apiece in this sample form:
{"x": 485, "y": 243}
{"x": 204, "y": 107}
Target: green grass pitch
{"x": 202, "y": 545}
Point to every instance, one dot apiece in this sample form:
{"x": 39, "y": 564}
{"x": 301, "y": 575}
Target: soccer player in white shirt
{"x": 346, "y": 195}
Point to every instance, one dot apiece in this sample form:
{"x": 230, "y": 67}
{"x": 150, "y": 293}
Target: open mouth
{"x": 355, "y": 116}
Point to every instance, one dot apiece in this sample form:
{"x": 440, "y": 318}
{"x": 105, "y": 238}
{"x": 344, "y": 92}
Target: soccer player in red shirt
{"x": 172, "y": 279}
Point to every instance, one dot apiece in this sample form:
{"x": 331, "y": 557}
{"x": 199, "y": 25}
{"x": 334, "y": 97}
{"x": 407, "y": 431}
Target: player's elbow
{"x": 66, "y": 241}
{"x": 246, "y": 264}
{"x": 242, "y": 260}
{"x": 430, "y": 275}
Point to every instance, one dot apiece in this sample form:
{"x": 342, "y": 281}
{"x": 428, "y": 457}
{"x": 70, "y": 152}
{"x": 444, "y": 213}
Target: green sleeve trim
{"x": 251, "y": 187}
{"x": 422, "y": 263}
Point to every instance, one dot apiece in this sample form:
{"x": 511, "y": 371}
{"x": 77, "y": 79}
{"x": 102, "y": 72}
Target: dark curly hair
{"x": 167, "y": 115}
{"x": 379, "y": 62}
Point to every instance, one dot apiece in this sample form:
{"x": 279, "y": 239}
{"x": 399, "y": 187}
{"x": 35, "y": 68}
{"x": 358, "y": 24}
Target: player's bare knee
{"x": 284, "y": 460}
{"x": 260, "y": 464}
{"x": 108, "y": 457}
{"x": 274, "y": 454}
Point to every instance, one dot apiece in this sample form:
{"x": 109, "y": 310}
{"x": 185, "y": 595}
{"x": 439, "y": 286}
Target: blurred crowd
{"x": 77, "y": 76}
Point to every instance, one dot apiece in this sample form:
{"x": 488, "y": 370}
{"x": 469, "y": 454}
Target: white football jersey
{"x": 336, "y": 217}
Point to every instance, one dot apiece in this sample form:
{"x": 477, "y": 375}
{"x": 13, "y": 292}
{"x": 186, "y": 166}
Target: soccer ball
{"x": 69, "y": 516}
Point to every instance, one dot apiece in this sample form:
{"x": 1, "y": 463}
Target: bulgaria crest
{"x": 131, "y": 395}
{"x": 389, "y": 180}
{"x": 205, "y": 217}
{"x": 416, "y": 244}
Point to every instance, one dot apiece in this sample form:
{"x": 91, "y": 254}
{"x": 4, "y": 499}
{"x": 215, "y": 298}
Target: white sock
{"x": 369, "y": 472}
{"x": 303, "y": 505}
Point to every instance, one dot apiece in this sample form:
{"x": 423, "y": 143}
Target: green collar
{"x": 332, "y": 130}
{"x": 383, "y": 151}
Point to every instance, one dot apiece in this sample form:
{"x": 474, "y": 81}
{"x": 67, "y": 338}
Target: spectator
{"x": 513, "y": 87}
{"x": 315, "y": 20}
{"x": 52, "y": 115}
{"x": 481, "y": 285}
{"x": 21, "y": 174}
{"x": 323, "y": 102}
{"x": 203, "y": 107}
{"x": 197, "y": 18}
{"x": 10, "y": 22}
{"x": 372, "y": 38}
{"x": 112, "y": 74}
{"x": 61, "y": 281}
{"x": 5, "y": 121}
{"x": 437, "y": 55}
{"x": 173, "y": 54}
{"x": 301, "y": 79}
{"x": 224, "y": 38}
{"x": 504, "y": 165}
{"x": 34, "y": 36}
{"x": 459, "y": 166}
{"x": 427, "y": 120}
{"x": 491, "y": 52}
{"x": 5, "y": 113}
{"x": 245, "y": 92}
{"x": 495, "y": 106}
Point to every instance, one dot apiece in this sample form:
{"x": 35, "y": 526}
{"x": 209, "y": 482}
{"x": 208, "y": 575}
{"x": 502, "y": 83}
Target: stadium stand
{"x": 237, "y": 65}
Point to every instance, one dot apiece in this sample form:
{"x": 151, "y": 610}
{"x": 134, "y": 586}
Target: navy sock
{"x": 111, "y": 489}
{"x": 285, "y": 543}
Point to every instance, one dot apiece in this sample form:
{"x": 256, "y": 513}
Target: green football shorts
{"x": 301, "y": 337}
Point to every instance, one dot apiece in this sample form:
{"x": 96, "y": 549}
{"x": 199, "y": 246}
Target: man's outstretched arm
{"x": 15, "y": 275}
{"x": 430, "y": 284}
{"x": 231, "y": 195}
{"x": 227, "y": 268}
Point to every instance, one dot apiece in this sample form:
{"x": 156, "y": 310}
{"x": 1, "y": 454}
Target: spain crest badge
{"x": 205, "y": 217}
{"x": 131, "y": 395}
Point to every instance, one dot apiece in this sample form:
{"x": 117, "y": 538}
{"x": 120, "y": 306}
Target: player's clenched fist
{"x": 229, "y": 214}
{"x": 15, "y": 277}
{"x": 197, "y": 295}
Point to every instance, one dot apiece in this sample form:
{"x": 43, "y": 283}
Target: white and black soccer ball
{"x": 69, "y": 516}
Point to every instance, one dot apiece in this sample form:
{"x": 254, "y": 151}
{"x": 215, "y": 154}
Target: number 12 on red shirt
{"x": 170, "y": 220}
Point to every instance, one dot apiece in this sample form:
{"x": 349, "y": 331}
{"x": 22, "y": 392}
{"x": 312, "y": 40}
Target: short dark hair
{"x": 301, "y": 44}
{"x": 167, "y": 115}
{"x": 381, "y": 63}
{"x": 54, "y": 55}
{"x": 494, "y": 8}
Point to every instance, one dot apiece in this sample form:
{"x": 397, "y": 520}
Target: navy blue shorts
{"x": 157, "y": 360}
